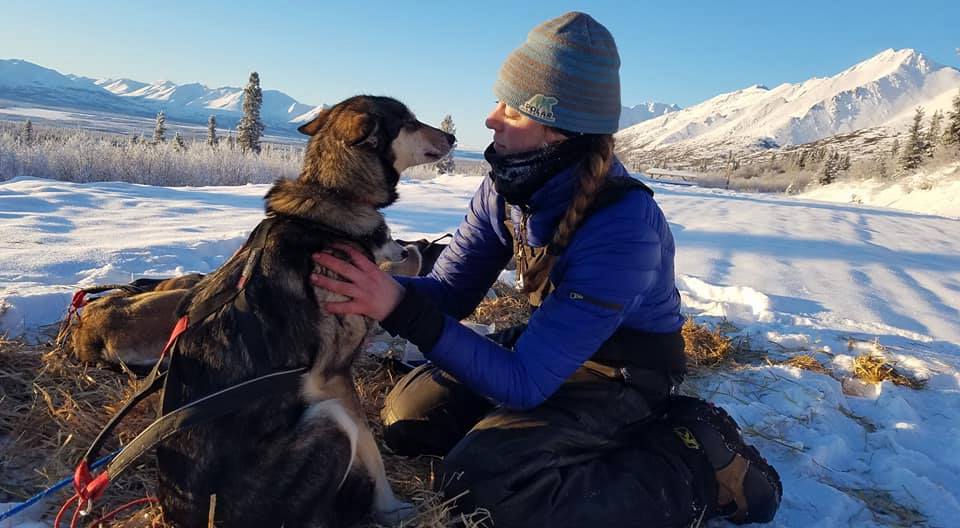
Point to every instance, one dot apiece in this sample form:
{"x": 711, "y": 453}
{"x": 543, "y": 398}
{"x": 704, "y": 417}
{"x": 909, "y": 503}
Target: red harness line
{"x": 106, "y": 517}
{"x": 88, "y": 488}
{"x": 78, "y": 301}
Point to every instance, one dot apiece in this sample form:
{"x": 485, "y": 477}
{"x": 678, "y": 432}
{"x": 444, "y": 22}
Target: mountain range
{"x": 25, "y": 82}
{"x": 874, "y": 99}
{"x": 879, "y": 95}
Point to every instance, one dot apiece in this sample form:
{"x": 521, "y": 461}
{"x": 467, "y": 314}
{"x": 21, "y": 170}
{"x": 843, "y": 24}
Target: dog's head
{"x": 428, "y": 250}
{"x": 409, "y": 266}
{"x": 361, "y": 145}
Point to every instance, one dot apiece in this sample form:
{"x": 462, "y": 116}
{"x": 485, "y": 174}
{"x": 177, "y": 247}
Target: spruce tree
{"x": 951, "y": 133}
{"x": 178, "y": 142}
{"x": 828, "y": 173}
{"x": 26, "y": 134}
{"x": 212, "y": 138}
{"x": 882, "y": 171}
{"x": 844, "y": 163}
{"x": 732, "y": 162}
{"x": 895, "y": 149}
{"x": 934, "y": 133}
{"x": 160, "y": 130}
{"x": 914, "y": 150}
{"x": 446, "y": 164}
{"x": 250, "y": 129}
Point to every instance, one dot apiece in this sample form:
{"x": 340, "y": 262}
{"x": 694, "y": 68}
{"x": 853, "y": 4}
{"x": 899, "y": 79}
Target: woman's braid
{"x": 593, "y": 172}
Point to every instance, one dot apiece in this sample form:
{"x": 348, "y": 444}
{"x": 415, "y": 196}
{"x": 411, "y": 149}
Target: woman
{"x": 569, "y": 419}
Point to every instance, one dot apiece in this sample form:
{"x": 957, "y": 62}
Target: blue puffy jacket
{"x": 620, "y": 261}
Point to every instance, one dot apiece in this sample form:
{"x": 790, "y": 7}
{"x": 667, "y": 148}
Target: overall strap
{"x": 614, "y": 189}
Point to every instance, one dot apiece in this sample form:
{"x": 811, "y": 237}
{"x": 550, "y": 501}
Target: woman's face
{"x": 514, "y": 132}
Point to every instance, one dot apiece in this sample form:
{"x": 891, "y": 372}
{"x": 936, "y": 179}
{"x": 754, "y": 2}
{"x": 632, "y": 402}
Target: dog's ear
{"x": 314, "y": 125}
{"x": 357, "y": 128}
{"x": 353, "y": 128}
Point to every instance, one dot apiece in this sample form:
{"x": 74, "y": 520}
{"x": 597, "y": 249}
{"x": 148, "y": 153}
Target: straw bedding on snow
{"x": 52, "y": 407}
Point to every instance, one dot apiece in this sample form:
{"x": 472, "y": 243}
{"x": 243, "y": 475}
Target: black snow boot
{"x": 748, "y": 488}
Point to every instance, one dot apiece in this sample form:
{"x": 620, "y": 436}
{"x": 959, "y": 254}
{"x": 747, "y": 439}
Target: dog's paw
{"x": 395, "y": 513}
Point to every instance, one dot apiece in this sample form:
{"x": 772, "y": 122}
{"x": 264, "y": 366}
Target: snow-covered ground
{"x": 934, "y": 191}
{"x": 792, "y": 275}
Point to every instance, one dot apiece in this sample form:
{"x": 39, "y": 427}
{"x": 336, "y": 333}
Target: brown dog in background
{"x": 128, "y": 326}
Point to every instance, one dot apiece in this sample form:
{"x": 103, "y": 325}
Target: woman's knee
{"x": 428, "y": 411}
{"x": 414, "y": 396}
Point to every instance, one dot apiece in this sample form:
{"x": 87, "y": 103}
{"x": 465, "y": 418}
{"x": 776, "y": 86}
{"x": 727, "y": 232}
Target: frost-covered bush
{"x": 464, "y": 167}
{"x": 754, "y": 178}
{"x": 82, "y": 156}
{"x": 85, "y": 156}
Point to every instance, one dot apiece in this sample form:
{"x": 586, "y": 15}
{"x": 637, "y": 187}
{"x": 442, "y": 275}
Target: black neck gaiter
{"x": 517, "y": 176}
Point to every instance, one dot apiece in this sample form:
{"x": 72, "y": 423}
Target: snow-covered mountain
{"x": 23, "y": 81}
{"x": 631, "y": 115}
{"x": 197, "y": 98}
{"x": 882, "y": 91}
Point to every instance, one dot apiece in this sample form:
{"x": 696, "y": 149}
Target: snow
{"x": 932, "y": 191}
{"x": 41, "y": 113}
{"x": 791, "y": 275}
{"x": 17, "y": 72}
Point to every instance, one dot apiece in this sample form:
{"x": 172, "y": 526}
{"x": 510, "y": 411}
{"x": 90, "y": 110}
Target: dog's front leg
{"x": 387, "y": 507}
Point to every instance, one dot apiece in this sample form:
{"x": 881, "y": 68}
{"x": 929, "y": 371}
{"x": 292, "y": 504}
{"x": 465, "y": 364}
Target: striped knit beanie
{"x": 566, "y": 75}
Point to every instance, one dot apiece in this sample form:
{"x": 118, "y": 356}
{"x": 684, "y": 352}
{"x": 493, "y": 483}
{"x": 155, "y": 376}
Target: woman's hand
{"x": 372, "y": 291}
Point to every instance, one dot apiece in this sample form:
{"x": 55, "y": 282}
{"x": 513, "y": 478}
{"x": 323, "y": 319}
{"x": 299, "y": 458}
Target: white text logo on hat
{"x": 540, "y": 106}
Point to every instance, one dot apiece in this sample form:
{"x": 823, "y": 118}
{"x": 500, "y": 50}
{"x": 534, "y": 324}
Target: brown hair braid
{"x": 593, "y": 172}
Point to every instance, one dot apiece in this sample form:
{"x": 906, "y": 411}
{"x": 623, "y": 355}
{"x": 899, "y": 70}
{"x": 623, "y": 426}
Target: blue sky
{"x": 442, "y": 57}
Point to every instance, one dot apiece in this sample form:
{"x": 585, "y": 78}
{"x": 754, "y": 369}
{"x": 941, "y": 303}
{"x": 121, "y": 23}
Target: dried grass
{"x": 706, "y": 348}
{"x": 510, "y": 308}
{"x": 885, "y": 508}
{"x": 52, "y": 407}
{"x": 806, "y": 362}
{"x": 875, "y": 368}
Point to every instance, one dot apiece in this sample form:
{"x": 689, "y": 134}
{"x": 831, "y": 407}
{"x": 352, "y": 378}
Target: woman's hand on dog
{"x": 372, "y": 291}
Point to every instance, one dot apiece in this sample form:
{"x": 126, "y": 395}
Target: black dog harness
{"x": 89, "y": 487}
